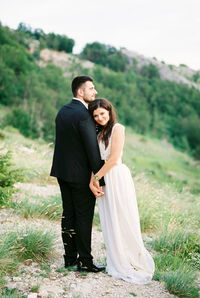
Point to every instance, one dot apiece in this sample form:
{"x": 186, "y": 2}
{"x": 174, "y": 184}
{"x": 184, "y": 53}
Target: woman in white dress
{"x": 127, "y": 258}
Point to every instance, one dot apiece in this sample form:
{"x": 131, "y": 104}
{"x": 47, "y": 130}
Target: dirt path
{"x": 55, "y": 281}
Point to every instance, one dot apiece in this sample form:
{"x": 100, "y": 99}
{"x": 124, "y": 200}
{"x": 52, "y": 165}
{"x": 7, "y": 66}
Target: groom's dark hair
{"x": 78, "y": 81}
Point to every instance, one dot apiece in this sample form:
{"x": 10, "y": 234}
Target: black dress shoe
{"x": 89, "y": 268}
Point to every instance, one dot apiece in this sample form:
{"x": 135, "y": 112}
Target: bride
{"x": 126, "y": 255}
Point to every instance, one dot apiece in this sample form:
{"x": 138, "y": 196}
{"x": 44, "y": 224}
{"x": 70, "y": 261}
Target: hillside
{"x": 150, "y": 97}
{"x": 167, "y": 187}
{"x": 181, "y": 74}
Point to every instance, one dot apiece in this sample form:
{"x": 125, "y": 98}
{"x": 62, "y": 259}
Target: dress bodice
{"x": 105, "y": 152}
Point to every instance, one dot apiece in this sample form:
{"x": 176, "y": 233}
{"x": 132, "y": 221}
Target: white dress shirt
{"x": 83, "y": 102}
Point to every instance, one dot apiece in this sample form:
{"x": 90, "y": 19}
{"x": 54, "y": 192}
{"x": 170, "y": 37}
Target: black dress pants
{"x": 78, "y": 211}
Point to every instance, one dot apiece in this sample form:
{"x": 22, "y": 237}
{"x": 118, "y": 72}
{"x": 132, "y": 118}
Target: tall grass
{"x": 19, "y": 245}
{"x": 174, "y": 264}
{"x": 179, "y": 242}
{"x": 29, "y": 243}
{"x": 50, "y": 207}
{"x": 182, "y": 283}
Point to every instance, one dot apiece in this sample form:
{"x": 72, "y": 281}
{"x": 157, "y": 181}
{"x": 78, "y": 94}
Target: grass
{"x": 161, "y": 162}
{"x": 37, "y": 167}
{"x": 181, "y": 283}
{"x": 19, "y": 245}
{"x": 30, "y": 243}
{"x": 49, "y": 207}
{"x": 179, "y": 277}
{"x": 96, "y": 220}
{"x": 35, "y": 288}
{"x": 46, "y": 268}
{"x": 61, "y": 270}
{"x": 179, "y": 242}
{"x": 175, "y": 263}
{"x": 12, "y": 293}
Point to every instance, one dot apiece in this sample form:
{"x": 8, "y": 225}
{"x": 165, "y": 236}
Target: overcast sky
{"x": 168, "y": 30}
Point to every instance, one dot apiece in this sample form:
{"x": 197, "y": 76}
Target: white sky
{"x": 168, "y": 30}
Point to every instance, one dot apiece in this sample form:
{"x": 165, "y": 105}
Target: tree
{"x": 150, "y": 71}
{"x": 105, "y": 55}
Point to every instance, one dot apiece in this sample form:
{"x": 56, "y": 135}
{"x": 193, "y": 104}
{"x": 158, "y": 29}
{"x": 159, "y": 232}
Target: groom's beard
{"x": 88, "y": 100}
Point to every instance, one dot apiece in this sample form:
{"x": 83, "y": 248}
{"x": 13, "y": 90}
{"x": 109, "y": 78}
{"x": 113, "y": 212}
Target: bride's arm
{"x": 116, "y": 148}
{"x": 97, "y": 191}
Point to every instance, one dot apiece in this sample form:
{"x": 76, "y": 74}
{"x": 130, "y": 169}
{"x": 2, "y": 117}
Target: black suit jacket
{"x": 76, "y": 151}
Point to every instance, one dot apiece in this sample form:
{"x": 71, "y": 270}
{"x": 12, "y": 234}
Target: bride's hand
{"x": 97, "y": 191}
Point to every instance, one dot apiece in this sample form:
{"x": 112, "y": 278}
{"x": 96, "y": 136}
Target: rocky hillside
{"x": 180, "y": 74}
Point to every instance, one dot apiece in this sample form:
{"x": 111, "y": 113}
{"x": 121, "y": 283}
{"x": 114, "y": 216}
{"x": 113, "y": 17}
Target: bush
{"x": 8, "y": 176}
{"x": 20, "y": 120}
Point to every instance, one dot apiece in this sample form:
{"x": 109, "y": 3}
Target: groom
{"x": 76, "y": 155}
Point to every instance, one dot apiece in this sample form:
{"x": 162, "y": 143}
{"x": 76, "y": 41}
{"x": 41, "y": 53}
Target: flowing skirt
{"x": 127, "y": 258}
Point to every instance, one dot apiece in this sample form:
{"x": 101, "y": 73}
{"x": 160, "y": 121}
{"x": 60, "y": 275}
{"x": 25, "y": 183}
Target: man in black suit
{"x": 76, "y": 155}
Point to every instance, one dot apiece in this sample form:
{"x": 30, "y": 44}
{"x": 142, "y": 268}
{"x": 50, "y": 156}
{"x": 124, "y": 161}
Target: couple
{"x": 88, "y": 166}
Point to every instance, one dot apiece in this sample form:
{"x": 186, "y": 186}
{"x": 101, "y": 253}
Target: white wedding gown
{"x": 126, "y": 255}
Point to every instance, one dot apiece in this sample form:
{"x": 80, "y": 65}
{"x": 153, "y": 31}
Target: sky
{"x": 166, "y": 29}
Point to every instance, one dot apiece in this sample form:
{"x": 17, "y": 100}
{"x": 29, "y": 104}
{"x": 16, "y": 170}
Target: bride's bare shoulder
{"x": 118, "y": 129}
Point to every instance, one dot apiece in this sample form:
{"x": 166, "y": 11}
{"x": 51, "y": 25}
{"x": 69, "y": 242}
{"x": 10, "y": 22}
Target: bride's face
{"x": 101, "y": 116}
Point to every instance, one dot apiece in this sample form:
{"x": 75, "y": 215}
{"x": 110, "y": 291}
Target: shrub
{"x": 8, "y": 176}
{"x": 20, "y": 120}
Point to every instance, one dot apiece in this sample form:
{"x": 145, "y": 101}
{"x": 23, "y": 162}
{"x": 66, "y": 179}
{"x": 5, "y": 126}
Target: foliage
{"x": 174, "y": 264}
{"x": 150, "y": 71}
{"x": 105, "y": 55}
{"x": 196, "y": 76}
{"x": 182, "y": 284}
{"x": 50, "y": 40}
{"x": 12, "y": 293}
{"x": 22, "y": 244}
{"x": 49, "y": 208}
{"x": 34, "y": 94}
{"x": 179, "y": 278}
{"x": 143, "y": 101}
{"x": 178, "y": 242}
{"x": 29, "y": 243}
{"x": 8, "y": 176}
{"x": 154, "y": 106}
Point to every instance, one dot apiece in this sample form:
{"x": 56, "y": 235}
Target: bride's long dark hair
{"x": 105, "y": 131}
